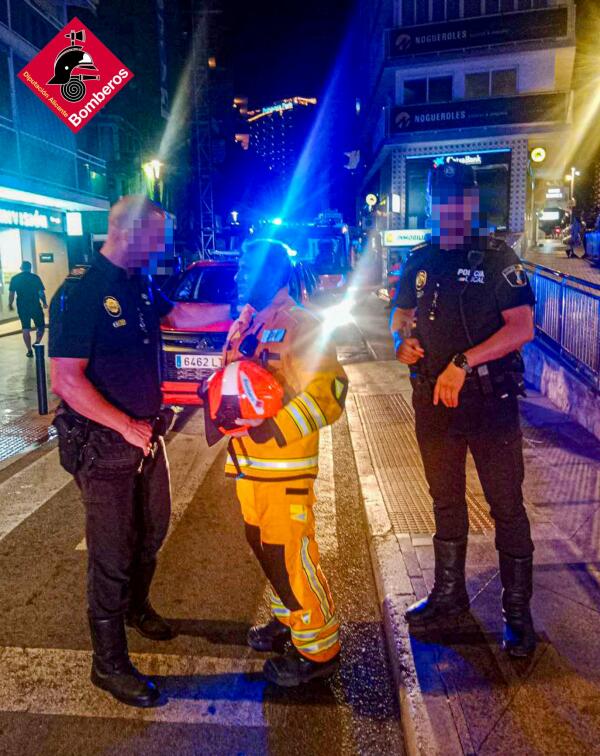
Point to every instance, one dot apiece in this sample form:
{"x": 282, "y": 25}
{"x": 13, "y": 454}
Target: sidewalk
{"x": 459, "y": 693}
{"x": 21, "y": 427}
{"x": 551, "y": 254}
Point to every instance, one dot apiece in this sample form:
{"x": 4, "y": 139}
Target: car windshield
{"x": 214, "y": 285}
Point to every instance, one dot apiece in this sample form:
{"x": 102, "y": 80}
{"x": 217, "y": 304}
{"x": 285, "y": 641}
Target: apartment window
{"x": 31, "y": 25}
{"x": 452, "y": 9}
{"x": 5, "y": 103}
{"x": 492, "y": 6}
{"x": 438, "y": 10}
{"x": 415, "y": 91}
{"x": 524, "y": 4}
{"x": 422, "y": 11}
{"x": 440, "y": 89}
{"x": 4, "y": 12}
{"x": 408, "y": 12}
{"x": 477, "y": 85}
{"x": 504, "y": 83}
{"x": 506, "y": 6}
{"x": 472, "y": 8}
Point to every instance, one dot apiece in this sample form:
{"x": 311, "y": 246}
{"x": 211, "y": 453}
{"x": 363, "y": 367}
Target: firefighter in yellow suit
{"x": 276, "y": 463}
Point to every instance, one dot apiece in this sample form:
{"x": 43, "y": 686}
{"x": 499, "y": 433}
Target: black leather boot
{"x": 449, "y": 596}
{"x": 112, "y": 669}
{"x": 142, "y": 615}
{"x": 519, "y": 634}
{"x": 269, "y": 637}
{"x": 293, "y": 669}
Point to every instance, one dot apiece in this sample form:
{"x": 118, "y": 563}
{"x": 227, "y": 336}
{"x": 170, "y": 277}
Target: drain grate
{"x": 17, "y": 434}
{"x": 388, "y": 421}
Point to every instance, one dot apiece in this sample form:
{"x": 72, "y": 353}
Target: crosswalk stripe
{"x": 189, "y": 461}
{"x": 198, "y": 690}
{"x": 325, "y": 510}
{"x": 29, "y": 489}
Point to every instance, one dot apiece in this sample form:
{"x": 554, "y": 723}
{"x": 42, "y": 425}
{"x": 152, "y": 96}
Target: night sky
{"x": 283, "y": 49}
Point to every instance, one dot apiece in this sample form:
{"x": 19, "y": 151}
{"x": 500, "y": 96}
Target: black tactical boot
{"x": 449, "y": 596}
{"x": 112, "y": 669}
{"x": 269, "y": 637}
{"x": 293, "y": 669}
{"x": 516, "y": 575}
{"x": 149, "y": 623}
{"x": 141, "y": 615}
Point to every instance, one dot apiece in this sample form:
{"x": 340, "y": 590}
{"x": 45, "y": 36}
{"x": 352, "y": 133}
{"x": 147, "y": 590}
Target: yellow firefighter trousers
{"x": 280, "y": 513}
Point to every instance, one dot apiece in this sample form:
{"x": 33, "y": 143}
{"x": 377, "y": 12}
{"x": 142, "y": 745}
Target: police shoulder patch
{"x": 515, "y": 275}
{"x": 112, "y": 306}
{"x": 421, "y": 280}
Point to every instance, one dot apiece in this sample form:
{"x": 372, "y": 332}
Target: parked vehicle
{"x": 192, "y": 353}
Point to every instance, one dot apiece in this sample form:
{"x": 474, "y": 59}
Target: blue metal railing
{"x": 567, "y": 319}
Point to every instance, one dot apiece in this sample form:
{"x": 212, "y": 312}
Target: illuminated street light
{"x": 570, "y": 177}
{"x": 152, "y": 169}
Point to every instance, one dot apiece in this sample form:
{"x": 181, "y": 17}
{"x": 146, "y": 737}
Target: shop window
{"x": 504, "y": 83}
{"x": 472, "y": 8}
{"x": 5, "y": 102}
{"x": 440, "y": 89}
{"x": 415, "y": 91}
{"x": 477, "y": 85}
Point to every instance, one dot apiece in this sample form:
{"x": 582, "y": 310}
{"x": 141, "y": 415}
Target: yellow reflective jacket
{"x": 293, "y": 347}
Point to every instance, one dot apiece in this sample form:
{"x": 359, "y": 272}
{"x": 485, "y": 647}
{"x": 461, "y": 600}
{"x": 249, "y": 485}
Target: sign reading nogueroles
{"x": 75, "y": 75}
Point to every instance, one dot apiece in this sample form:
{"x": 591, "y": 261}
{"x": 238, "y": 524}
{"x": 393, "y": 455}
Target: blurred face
{"x": 257, "y": 280}
{"x": 150, "y": 244}
{"x": 455, "y": 219}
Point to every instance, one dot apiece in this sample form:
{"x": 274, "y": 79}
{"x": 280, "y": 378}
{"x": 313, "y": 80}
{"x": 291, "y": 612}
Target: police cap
{"x": 450, "y": 177}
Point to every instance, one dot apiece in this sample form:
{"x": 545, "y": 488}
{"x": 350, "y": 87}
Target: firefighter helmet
{"x": 67, "y": 61}
{"x": 242, "y": 390}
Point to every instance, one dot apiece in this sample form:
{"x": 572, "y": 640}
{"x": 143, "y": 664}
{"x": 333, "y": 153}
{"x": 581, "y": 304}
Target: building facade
{"x": 47, "y": 184}
{"x": 481, "y": 82}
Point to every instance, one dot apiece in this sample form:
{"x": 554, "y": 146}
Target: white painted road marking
{"x": 29, "y": 489}
{"x": 200, "y": 690}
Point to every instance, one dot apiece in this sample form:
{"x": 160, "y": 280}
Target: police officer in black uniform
{"x": 104, "y": 345}
{"x": 462, "y": 311}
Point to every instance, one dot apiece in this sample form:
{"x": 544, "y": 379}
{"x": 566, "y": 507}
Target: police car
{"x": 189, "y": 356}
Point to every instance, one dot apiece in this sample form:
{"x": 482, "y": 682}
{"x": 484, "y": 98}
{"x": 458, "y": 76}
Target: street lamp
{"x": 152, "y": 170}
{"x": 570, "y": 177}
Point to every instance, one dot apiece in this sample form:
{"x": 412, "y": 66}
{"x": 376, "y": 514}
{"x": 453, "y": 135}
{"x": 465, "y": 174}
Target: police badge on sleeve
{"x": 515, "y": 276}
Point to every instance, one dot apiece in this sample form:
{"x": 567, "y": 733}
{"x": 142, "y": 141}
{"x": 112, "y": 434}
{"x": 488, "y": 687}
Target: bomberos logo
{"x": 62, "y": 76}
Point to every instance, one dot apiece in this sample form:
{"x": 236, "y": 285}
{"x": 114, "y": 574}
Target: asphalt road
{"x": 215, "y": 699}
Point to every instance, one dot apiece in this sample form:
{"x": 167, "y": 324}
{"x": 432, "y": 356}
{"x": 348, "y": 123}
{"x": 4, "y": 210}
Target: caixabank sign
{"x": 493, "y": 111}
{"x": 75, "y": 75}
{"x": 548, "y": 23}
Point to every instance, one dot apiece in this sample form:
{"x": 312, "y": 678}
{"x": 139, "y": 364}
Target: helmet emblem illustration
{"x": 403, "y": 42}
{"x": 68, "y": 65}
{"x": 402, "y": 120}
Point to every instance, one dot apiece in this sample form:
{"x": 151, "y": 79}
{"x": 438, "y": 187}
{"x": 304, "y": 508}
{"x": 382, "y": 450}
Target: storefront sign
{"x": 22, "y": 216}
{"x": 493, "y": 111}
{"x": 405, "y": 237}
{"x": 507, "y": 28}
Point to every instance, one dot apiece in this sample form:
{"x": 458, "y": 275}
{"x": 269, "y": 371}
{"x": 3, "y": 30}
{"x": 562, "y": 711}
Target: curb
{"x": 396, "y": 592}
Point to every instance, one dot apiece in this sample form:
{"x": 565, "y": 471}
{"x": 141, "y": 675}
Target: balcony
{"x": 531, "y": 27}
{"x": 520, "y": 110}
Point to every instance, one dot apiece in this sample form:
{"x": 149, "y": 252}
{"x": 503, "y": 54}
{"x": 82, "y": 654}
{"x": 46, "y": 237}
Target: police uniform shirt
{"x": 433, "y": 281}
{"x": 113, "y": 320}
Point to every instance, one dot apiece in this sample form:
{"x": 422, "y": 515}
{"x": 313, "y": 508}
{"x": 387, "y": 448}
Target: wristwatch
{"x": 460, "y": 360}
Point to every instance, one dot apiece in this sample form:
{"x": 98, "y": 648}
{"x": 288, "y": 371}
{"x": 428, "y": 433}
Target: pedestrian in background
{"x": 31, "y": 297}
{"x": 471, "y": 304}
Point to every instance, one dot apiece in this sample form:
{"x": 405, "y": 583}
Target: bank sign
{"x": 548, "y": 23}
{"x": 32, "y": 218}
{"x": 493, "y": 111}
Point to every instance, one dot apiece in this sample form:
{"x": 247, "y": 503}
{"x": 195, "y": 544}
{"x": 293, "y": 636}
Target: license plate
{"x": 198, "y": 361}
